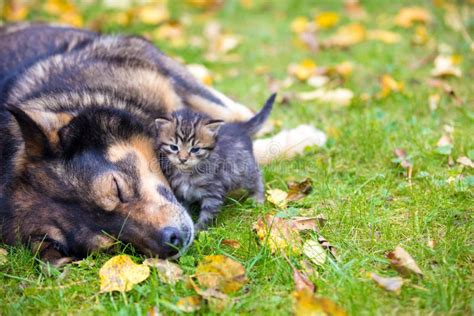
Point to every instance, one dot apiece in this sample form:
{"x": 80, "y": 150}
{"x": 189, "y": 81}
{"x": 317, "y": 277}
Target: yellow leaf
{"x": 221, "y": 273}
{"x": 168, "y": 272}
{"x": 189, "y": 304}
{"x": 421, "y": 35}
{"x": 231, "y": 243}
{"x": 446, "y": 66}
{"x": 347, "y": 35}
{"x": 277, "y": 197}
{"x": 389, "y": 284}
{"x": 344, "y": 69}
{"x": 307, "y": 304}
{"x": 172, "y": 32}
{"x": 299, "y": 24}
{"x": 120, "y": 273}
{"x": 338, "y": 96}
{"x": 326, "y": 19}
{"x": 298, "y": 190}
{"x": 14, "y": 10}
{"x": 389, "y": 85}
{"x": 65, "y": 10}
{"x": 201, "y": 73}
{"x": 410, "y": 15}
{"x": 153, "y": 13}
{"x": 302, "y": 70}
{"x": 315, "y": 252}
{"x": 384, "y": 36}
{"x": 278, "y": 233}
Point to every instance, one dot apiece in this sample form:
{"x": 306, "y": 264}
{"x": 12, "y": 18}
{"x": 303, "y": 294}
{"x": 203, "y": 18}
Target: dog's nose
{"x": 171, "y": 240}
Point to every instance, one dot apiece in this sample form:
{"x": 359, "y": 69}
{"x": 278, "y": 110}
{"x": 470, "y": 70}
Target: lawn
{"x": 370, "y": 204}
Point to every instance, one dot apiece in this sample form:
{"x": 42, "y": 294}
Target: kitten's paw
{"x": 258, "y": 198}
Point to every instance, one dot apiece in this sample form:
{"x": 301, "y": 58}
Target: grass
{"x": 366, "y": 198}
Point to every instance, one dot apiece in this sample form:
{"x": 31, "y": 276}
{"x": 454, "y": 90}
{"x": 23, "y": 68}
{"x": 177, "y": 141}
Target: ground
{"x": 370, "y": 205}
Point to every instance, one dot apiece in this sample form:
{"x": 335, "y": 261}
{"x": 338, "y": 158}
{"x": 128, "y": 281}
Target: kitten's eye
{"x": 195, "y": 150}
{"x": 174, "y": 147}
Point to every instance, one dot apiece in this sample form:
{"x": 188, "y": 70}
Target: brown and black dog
{"x": 77, "y": 162}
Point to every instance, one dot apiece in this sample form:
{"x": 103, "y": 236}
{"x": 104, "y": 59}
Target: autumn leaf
{"x": 402, "y": 158}
{"x": 327, "y": 246}
{"x": 201, "y": 73}
{"x": 411, "y": 15}
{"x": 338, "y": 96}
{"x": 393, "y": 284}
{"x": 277, "y": 197}
{"x": 315, "y": 252}
{"x": 189, "y": 304}
{"x": 299, "y": 24}
{"x": 221, "y": 273}
{"x": 120, "y": 273}
{"x": 420, "y": 37}
{"x": 445, "y": 66}
{"x": 326, "y": 20}
{"x": 302, "y": 282}
{"x": 389, "y": 85}
{"x": 298, "y": 190}
{"x": 172, "y": 32}
{"x": 168, "y": 272}
{"x": 346, "y": 36}
{"x": 401, "y": 260}
{"x": 3, "y": 256}
{"x": 465, "y": 161}
{"x": 384, "y": 36}
{"x": 303, "y": 70}
{"x": 205, "y": 4}
{"x": 235, "y": 244}
{"x": 354, "y": 10}
{"x": 219, "y": 43}
{"x": 308, "y": 304}
{"x": 14, "y": 11}
{"x": 152, "y": 13}
{"x": 66, "y": 11}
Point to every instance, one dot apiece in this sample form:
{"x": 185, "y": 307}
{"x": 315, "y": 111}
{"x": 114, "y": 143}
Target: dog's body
{"x": 77, "y": 165}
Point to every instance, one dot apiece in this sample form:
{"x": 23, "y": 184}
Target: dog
{"x": 78, "y": 170}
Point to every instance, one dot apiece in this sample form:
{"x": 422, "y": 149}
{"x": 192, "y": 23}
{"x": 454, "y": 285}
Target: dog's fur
{"x": 77, "y": 166}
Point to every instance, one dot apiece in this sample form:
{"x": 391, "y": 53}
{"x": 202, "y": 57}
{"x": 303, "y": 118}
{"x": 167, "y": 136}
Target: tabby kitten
{"x": 204, "y": 159}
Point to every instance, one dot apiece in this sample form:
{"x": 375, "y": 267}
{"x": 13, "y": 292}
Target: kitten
{"x": 205, "y": 159}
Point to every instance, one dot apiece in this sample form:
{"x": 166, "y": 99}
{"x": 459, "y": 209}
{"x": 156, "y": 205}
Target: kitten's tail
{"x": 253, "y": 125}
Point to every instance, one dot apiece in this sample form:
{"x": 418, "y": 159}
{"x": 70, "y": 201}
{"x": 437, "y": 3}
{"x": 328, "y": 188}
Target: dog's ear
{"x": 37, "y": 143}
{"x": 162, "y": 121}
{"x": 214, "y": 125}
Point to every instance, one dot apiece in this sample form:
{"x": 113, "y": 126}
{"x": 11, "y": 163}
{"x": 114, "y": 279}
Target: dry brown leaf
{"x": 313, "y": 223}
{"x": 327, "y": 246}
{"x": 401, "y": 260}
{"x": 387, "y": 37}
{"x": 302, "y": 282}
{"x": 231, "y": 243}
{"x": 120, "y": 273}
{"x": 346, "y": 36}
{"x": 298, "y": 190}
{"x": 278, "y": 233}
{"x": 326, "y": 20}
{"x": 445, "y": 66}
{"x": 315, "y": 252}
{"x": 221, "y": 273}
{"x": 307, "y": 304}
{"x": 3, "y": 256}
{"x": 411, "y": 15}
{"x": 338, "y": 96}
{"x": 277, "y": 197}
{"x": 219, "y": 43}
{"x": 445, "y": 140}
{"x": 465, "y": 161}
{"x": 401, "y": 154}
{"x": 168, "y": 272}
{"x": 389, "y": 85}
{"x": 189, "y": 304}
{"x": 389, "y": 284}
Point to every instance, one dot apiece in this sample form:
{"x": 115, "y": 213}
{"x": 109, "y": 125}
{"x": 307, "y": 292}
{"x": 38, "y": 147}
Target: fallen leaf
{"x": 168, "y": 272}
{"x": 120, "y": 273}
{"x": 327, "y": 246}
{"x": 298, "y": 190}
{"x": 219, "y": 43}
{"x": 231, "y": 243}
{"x": 299, "y": 24}
{"x": 152, "y": 13}
{"x": 65, "y": 11}
{"x": 278, "y": 233}
{"x": 189, "y": 304}
{"x": 408, "y": 16}
{"x": 317, "y": 81}
{"x": 338, "y": 96}
{"x": 402, "y": 158}
{"x": 445, "y": 66}
{"x": 420, "y": 37}
{"x": 201, "y": 73}
{"x": 354, "y": 10}
{"x": 307, "y": 304}
{"x": 433, "y": 101}
{"x": 205, "y": 4}
{"x": 313, "y": 223}
{"x": 302, "y": 70}
{"x": 384, "y": 36}
{"x": 465, "y": 161}
{"x": 221, "y": 273}
{"x": 445, "y": 145}
{"x": 389, "y": 85}
{"x": 302, "y": 282}
{"x": 172, "y": 32}
{"x": 315, "y": 252}
{"x": 326, "y": 20}
{"x": 153, "y": 311}
{"x": 389, "y": 284}
{"x": 3, "y": 256}
{"x": 401, "y": 260}
{"x": 14, "y": 11}
{"x": 277, "y": 197}
{"x": 346, "y": 36}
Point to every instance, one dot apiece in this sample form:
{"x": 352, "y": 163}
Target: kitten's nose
{"x": 183, "y": 160}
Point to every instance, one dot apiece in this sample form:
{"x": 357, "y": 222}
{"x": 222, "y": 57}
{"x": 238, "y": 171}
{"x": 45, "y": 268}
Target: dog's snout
{"x": 171, "y": 240}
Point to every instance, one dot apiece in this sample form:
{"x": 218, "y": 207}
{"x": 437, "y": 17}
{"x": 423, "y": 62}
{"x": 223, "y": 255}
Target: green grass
{"x": 366, "y": 198}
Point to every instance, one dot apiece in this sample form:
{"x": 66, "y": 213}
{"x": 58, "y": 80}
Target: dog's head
{"x": 84, "y": 180}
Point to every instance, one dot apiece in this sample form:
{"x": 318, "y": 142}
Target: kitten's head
{"x": 187, "y": 137}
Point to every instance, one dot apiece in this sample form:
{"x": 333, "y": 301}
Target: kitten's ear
{"x": 162, "y": 121}
{"x": 214, "y": 125}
